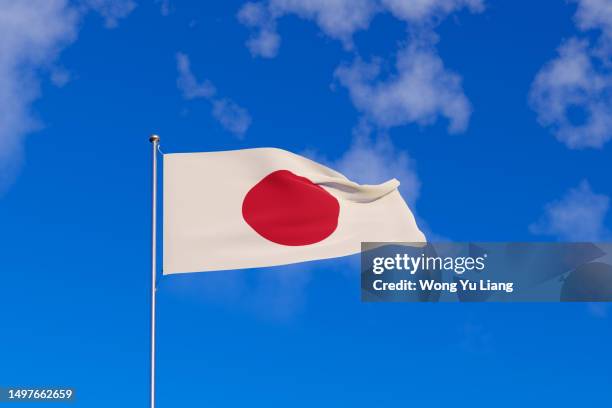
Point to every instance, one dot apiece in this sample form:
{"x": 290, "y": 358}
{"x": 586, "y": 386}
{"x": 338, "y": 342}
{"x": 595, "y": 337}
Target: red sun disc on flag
{"x": 290, "y": 210}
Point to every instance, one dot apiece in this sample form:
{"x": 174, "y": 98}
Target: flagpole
{"x": 154, "y": 139}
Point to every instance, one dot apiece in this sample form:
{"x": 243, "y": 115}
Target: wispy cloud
{"x": 420, "y": 91}
{"x": 578, "y": 216}
{"x": 112, "y": 10}
{"x": 265, "y": 41}
{"x": 33, "y": 34}
{"x": 595, "y": 15}
{"x": 232, "y": 117}
{"x": 228, "y": 113}
{"x": 572, "y": 94}
{"x": 340, "y": 19}
{"x": 187, "y": 82}
{"x": 425, "y": 10}
{"x": 574, "y": 98}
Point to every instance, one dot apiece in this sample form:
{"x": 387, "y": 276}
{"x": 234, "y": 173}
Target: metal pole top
{"x": 153, "y": 138}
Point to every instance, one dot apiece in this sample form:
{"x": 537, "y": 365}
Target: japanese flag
{"x": 263, "y": 207}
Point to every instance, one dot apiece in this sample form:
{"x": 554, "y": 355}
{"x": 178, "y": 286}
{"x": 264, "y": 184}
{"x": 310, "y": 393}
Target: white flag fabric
{"x": 264, "y": 207}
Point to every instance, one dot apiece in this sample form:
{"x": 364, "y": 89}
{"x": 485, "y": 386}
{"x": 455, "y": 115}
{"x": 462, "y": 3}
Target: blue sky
{"x": 495, "y": 116}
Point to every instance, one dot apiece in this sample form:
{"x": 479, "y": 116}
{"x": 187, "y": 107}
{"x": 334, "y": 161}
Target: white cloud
{"x": 254, "y": 15}
{"x": 264, "y": 44}
{"x": 578, "y": 216}
{"x": 188, "y": 84}
{"x": 419, "y": 92}
{"x": 424, "y": 10}
{"x": 579, "y": 82}
{"x": 572, "y": 82}
{"x": 595, "y": 14}
{"x": 340, "y": 19}
{"x": 264, "y": 41}
{"x": 111, "y": 10}
{"x": 33, "y": 34}
{"x": 230, "y": 115}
